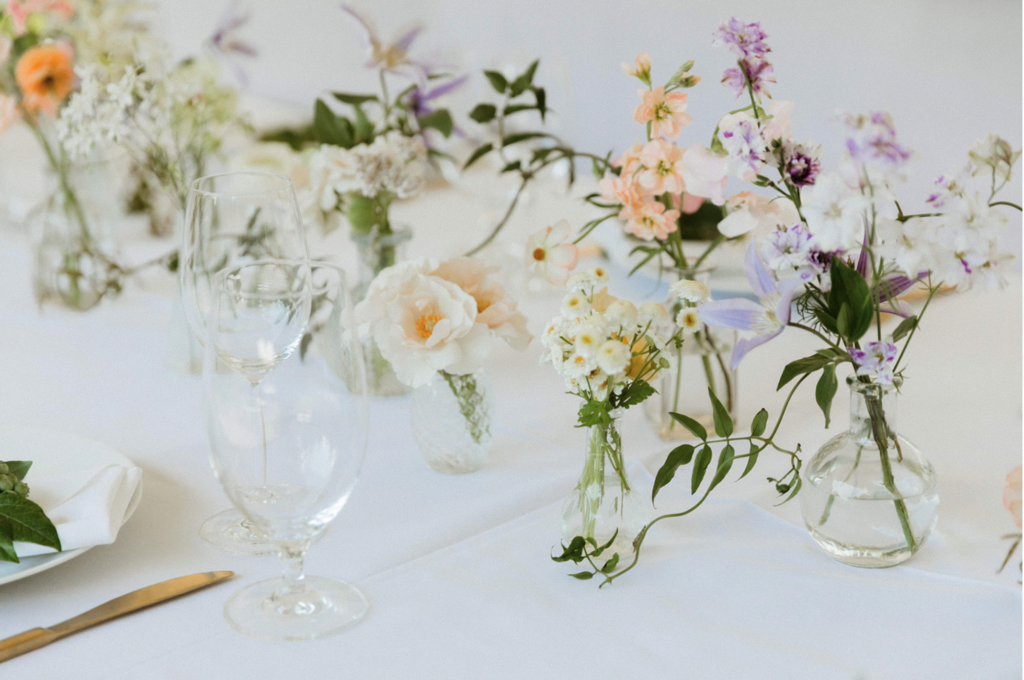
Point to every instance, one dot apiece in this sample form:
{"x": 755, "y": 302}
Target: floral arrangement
{"x": 361, "y": 165}
{"x": 429, "y": 319}
{"x": 837, "y": 267}
{"x": 609, "y": 352}
{"x": 20, "y": 518}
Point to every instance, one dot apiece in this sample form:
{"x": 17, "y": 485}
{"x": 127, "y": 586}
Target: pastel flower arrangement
{"x": 838, "y": 259}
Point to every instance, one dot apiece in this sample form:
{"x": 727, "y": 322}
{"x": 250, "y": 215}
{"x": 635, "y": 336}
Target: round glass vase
{"x": 702, "y": 362}
{"x": 604, "y": 503}
{"x": 73, "y": 263}
{"x": 451, "y": 421}
{"x": 870, "y": 498}
{"x": 376, "y": 252}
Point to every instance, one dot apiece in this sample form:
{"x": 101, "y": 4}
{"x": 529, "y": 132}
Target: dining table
{"x": 458, "y": 568}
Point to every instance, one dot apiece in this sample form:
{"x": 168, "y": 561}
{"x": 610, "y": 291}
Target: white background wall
{"x": 948, "y": 71}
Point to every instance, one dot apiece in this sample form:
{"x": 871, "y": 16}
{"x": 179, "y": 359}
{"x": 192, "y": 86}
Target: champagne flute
{"x": 231, "y": 219}
{"x": 311, "y": 419}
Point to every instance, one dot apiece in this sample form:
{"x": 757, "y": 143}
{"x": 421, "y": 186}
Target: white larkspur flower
{"x": 835, "y": 213}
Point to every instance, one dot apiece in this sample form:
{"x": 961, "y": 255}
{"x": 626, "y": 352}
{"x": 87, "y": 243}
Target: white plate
{"x": 52, "y": 452}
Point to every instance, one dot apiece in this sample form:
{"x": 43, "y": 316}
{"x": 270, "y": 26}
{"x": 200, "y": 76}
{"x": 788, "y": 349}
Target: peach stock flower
{"x": 662, "y": 168}
{"x": 641, "y": 67}
{"x": 629, "y": 161}
{"x": 666, "y": 112}
{"x": 1012, "y": 494}
{"x": 45, "y": 77}
{"x": 622, "y": 189}
{"x": 549, "y": 255}
{"x": 651, "y": 221}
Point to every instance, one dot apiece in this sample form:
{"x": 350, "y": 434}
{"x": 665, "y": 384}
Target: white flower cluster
{"x": 168, "y": 118}
{"x": 392, "y": 163}
{"x": 600, "y": 343}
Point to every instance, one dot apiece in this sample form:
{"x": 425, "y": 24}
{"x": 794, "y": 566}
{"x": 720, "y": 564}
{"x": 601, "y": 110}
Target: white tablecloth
{"x": 457, "y": 567}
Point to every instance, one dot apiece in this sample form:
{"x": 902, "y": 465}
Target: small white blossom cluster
{"x": 168, "y": 118}
{"x": 392, "y": 163}
{"x": 599, "y": 343}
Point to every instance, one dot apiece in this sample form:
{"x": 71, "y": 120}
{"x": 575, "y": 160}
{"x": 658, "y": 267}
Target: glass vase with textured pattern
{"x": 451, "y": 421}
{"x": 870, "y": 498}
{"x": 702, "y": 362}
{"x": 604, "y": 505}
{"x": 377, "y": 251}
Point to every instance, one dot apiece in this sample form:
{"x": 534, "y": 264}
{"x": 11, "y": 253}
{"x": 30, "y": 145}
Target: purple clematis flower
{"x": 227, "y": 44}
{"x": 417, "y": 100}
{"x": 767, "y": 319}
{"x": 393, "y": 57}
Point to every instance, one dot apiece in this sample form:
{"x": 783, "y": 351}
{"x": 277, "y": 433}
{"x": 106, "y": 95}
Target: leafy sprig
{"x": 21, "y": 519}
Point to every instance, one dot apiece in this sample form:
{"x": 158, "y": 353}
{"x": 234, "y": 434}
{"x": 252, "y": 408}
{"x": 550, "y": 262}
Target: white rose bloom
{"x": 494, "y": 308}
{"x": 613, "y": 357}
{"x": 693, "y": 292}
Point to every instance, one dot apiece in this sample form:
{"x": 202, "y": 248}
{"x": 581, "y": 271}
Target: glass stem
{"x": 879, "y": 430}
{"x": 293, "y": 582}
{"x": 263, "y": 435}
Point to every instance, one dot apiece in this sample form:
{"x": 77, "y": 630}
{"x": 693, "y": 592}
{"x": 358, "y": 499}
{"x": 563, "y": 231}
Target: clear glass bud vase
{"x": 870, "y": 498}
{"x": 604, "y": 502}
{"x": 702, "y": 362}
{"x": 73, "y": 262}
{"x": 451, "y": 421}
{"x": 378, "y": 251}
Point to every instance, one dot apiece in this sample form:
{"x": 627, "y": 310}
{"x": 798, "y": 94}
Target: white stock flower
{"x": 749, "y": 212}
{"x": 835, "y": 213}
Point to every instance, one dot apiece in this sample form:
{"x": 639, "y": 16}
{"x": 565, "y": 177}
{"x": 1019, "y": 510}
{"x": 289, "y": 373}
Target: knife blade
{"x": 144, "y": 597}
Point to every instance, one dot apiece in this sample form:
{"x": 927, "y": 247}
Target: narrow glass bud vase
{"x": 870, "y": 497}
{"x": 701, "y": 363}
{"x": 451, "y": 421}
{"x": 604, "y": 504}
{"x": 377, "y": 251}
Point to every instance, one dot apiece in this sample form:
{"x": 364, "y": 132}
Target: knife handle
{"x": 26, "y": 642}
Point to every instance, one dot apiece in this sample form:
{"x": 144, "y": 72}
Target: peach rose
{"x": 494, "y": 308}
{"x": 45, "y": 76}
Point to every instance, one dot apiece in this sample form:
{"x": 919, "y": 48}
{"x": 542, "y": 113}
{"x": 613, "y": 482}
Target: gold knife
{"x": 161, "y": 592}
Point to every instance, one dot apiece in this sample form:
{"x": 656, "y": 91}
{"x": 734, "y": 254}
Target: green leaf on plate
{"x": 28, "y": 521}
{"x": 19, "y": 468}
{"x": 7, "y": 553}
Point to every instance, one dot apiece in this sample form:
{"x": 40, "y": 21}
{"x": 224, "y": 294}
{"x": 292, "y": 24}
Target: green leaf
{"x": 723, "y": 423}
{"x": 516, "y": 108}
{"x": 484, "y": 113}
{"x": 690, "y": 424}
{"x": 497, "y": 80}
{"x": 760, "y": 422}
{"x": 440, "y": 120}
{"x": 801, "y": 366}
{"x": 700, "y": 466}
{"x": 681, "y": 455}
{"x": 751, "y": 459}
{"x": 363, "y": 127}
{"x": 354, "y": 99}
{"x": 480, "y": 152}
{"x": 793, "y": 491}
{"x": 517, "y": 137}
{"x": 907, "y": 325}
{"x": 19, "y": 468}
{"x": 28, "y": 521}
{"x": 574, "y": 551}
{"x": 600, "y": 549}
{"x": 514, "y": 165}
{"x": 7, "y": 553}
{"x": 329, "y": 128}
{"x": 845, "y": 321}
{"x": 610, "y": 565}
{"x": 530, "y": 70}
{"x": 541, "y": 98}
{"x": 593, "y": 413}
{"x": 634, "y": 393}
{"x": 725, "y": 459}
{"x": 826, "y": 390}
{"x": 583, "y": 575}
{"x": 307, "y": 338}
{"x": 850, "y": 288}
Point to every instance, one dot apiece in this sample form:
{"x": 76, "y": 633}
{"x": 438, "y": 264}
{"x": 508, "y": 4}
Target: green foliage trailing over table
{"x": 20, "y": 518}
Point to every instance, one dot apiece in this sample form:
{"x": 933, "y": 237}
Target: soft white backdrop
{"x": 949, "y": 71}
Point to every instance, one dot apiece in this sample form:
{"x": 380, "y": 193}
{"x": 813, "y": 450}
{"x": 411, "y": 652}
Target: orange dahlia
{"x": 45, "y": 77}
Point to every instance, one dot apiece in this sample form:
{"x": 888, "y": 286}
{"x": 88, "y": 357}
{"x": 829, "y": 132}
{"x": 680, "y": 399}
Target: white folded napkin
{"x": 87, "y": 509}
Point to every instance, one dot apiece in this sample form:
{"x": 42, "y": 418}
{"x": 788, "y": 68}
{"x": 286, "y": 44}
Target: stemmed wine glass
{"x": 289, "y": 453}
{"x": 232, "y": 219}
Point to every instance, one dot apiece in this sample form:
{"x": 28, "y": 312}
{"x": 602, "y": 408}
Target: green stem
{"x": 879, "y": 431}
{"x": 468, "y": 396}
{"x": 832, "y": 497}
{"x": 1007, "y": 203}
{"x": 526, "y": 177}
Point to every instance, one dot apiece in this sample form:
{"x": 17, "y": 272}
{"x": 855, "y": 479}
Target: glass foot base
{"x": 230, "y": 532}
{"x": 862, "y": 556}
{"x": 319, "y": 608}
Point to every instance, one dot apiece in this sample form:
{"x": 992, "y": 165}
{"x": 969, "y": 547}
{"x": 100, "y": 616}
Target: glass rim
{"x": 193, "y": 186}
{"x": 223, "y": 274}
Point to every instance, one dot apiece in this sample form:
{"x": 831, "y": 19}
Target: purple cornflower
{"x": 801, "y": 162}
{"x": 872, "y": 143}
{"x": 755, "y": 70}
{"x": 743, "y": 39}
{"x": 875, "y": 361}
{"x": 767, "y": 319}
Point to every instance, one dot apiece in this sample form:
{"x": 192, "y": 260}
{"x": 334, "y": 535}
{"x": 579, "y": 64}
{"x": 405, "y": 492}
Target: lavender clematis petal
{"x": 406, "y": 39}
{"x": 893, "y": 286}
{"x": 736, "y": 313}
{"x": 897, "y": 307}
{"x": 744, "y": 345}
{"x": 787, "y": 288}
{"x": 760, "y": 279}
{"x": 446, "y": 88}
{"x": 366, "y": 31}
